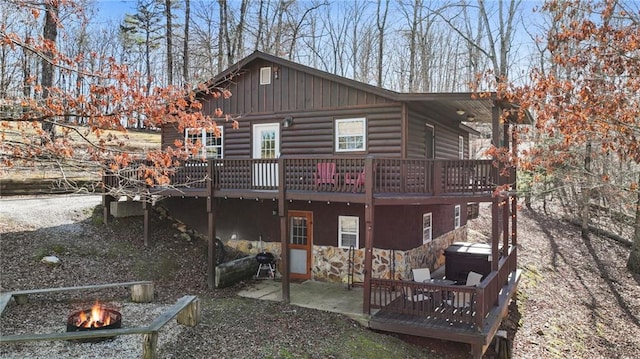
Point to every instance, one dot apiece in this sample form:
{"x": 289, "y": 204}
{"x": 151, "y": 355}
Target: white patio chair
{"x": 473, "y": 279}
{"x": 463, "y": 300}
{"x": 421, "y": 274}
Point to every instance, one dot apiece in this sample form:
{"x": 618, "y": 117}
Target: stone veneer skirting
{"x": 331, "y": 264}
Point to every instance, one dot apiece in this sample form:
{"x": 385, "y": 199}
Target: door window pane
{"x": 298, "y": 230}
{"x": 268, "y": 144}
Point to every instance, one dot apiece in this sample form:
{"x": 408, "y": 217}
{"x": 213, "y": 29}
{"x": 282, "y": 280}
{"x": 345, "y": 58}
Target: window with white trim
{"x": 265, "y": 75}
{"x": 456, "y": 216}
{"x": 427, "y": 227}
{"x": 461, "y": 147}
{"x": 211, "y": 145}
{"x": 348, "y": 231}
{"x": 351, "y": 134}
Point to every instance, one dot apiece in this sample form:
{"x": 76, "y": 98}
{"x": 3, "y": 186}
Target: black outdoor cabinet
{"x": 462, "y": 257}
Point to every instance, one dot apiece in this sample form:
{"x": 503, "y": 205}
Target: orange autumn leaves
{"x": 91, "y": 117}
{"x": 588, "y": 97}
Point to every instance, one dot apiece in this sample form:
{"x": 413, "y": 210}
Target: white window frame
{"x": 339, "y": 136}
{"x": 203, "y": 135}
{"x": 461, "y": 147}
{"x": 427, "y": 227}
{"x": 265, "y": 75}
{"x": 342, "y": 232}
{"x": 456, "y": 216}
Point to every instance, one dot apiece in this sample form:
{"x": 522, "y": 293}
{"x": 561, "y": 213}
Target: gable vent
{"x": 265, "y": 76}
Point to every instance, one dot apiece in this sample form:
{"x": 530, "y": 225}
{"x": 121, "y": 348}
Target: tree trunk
{"x": 585, "y": 192}
{"x": 185, "y": 49}
{"x": 633, "y": 264}
{"x": 26, "y": 70}
{"x": 222, "y": 30}
{"x": 260, "y": 25}
{"x": 167, "y": 9}
{"x": 50, "y": 32}
{"x": 382, "y": 21}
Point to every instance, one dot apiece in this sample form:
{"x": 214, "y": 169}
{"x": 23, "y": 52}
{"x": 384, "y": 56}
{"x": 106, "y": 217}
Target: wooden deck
{"x": 432, "y": 310}
{"x": 392, "y": 182}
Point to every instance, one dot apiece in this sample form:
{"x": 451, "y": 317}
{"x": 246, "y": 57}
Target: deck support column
{"x": 369, "y": 211}
{"x": 506, "y": 231}
{"x": 514, "y": 198}
{"x": 284, "y": 232}
{"x": 212, "y": 251}
{"x": 514, "y": 226}
{"x": 145, "y": 208}
{"x": 495, "y": 233}
{"x": 495, "y": 204}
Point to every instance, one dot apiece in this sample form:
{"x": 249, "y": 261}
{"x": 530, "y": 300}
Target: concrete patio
{"x": 331, "y": 297}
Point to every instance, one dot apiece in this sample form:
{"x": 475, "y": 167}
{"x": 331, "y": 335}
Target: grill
{"x": 267, "y": 263}
{"x": 265, "y": 258}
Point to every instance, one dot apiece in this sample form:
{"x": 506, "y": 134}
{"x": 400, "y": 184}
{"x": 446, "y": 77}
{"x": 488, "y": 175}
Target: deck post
{"x": 284, "y": 234}
{"x": 145, "y": 208}
{"x": 212, "y": 254}
{"x": 514, "y": 198}
{"x": 495, "y": 233}
{"x": 506, "y": 232}
{"x": 437, "y": 177}
{"x": 369, "y": 211}
{"x": 495, "y": 208}
{"x": 514, "y": 226}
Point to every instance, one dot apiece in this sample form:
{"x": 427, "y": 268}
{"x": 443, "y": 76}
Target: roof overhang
{"x": 448, "y": 107}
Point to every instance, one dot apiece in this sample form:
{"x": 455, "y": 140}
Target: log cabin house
{"x": 348, "y": 182}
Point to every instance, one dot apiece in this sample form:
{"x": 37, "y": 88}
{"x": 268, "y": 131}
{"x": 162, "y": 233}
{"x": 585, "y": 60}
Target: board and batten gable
{"x": 290, "y": 90}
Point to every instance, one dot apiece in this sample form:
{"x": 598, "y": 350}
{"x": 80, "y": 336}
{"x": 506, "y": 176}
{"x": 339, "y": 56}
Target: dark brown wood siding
{"x": 400, "y": 227}
{"x": 169, "y": 135}
{"x": 397, "y": 227}
{"x": 447, "y": 143}
{"x": 290, "y": 91}
{"x": 446, "y": 138}
{"x": 312, "y": 132}
{"x": 416, "y": 136}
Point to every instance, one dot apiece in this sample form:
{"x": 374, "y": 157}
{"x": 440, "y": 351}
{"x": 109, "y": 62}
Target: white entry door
{"x": 266, "y": 145}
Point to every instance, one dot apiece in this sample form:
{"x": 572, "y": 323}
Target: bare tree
{"x": 185, "y": 48}
{"x": 381, "y": 22}
{"x": 49, "y": 34}
{"x": 169, "y": 39}
{"x": 493, "y": 43}
{"x": 206, "y": 62}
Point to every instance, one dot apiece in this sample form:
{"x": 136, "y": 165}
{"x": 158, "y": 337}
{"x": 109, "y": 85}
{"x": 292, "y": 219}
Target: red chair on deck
{"x": 354, "y": 179}
{"x": 325, "y": 173}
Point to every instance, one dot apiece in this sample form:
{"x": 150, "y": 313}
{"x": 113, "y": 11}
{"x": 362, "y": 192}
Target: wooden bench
{"x": 187, "y": 310}
{"x": 141, "y": 292}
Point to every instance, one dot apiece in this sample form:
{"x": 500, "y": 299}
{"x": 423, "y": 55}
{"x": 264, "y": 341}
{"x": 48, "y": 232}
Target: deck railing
{"x": 329, "y": 174}
{"x": 453, "y": 303}
{"x": 457, "y": 304}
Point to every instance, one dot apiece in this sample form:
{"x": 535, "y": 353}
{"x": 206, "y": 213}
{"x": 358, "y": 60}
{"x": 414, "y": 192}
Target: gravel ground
{"x": 576, "y": 298}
